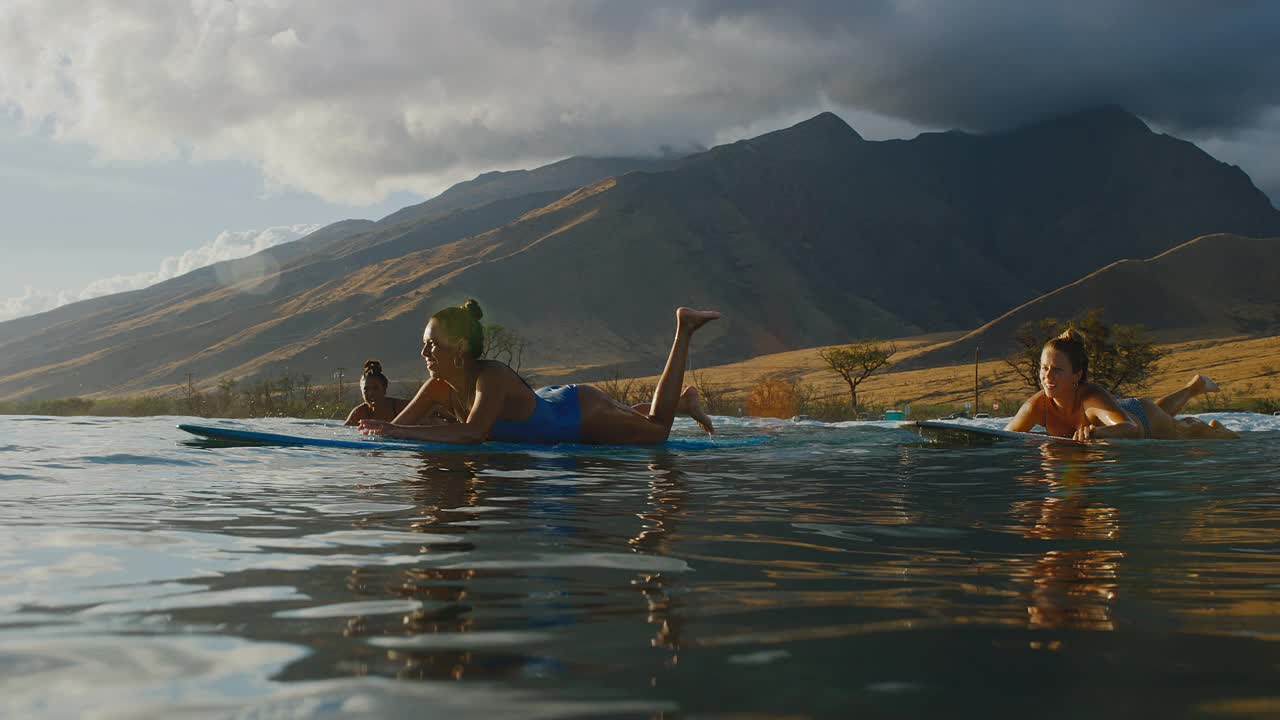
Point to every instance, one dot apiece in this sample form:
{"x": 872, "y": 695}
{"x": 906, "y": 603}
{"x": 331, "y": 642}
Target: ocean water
{"x": 836, "y": 571}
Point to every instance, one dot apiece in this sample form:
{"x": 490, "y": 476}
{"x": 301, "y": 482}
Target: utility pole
{"x": 975, "y": 379}
{"x": 191, "y": 396}
{"x": 338, "y": 376}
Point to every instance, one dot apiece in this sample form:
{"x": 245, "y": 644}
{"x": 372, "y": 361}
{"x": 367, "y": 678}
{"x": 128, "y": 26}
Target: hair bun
{"x": 461, "y": 324}
{"x": 1073, "y": 335}
{"x": 372, "y": 367}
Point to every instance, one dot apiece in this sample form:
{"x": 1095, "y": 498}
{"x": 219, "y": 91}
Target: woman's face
{"x": 372, "y": 389}
{"x": 436, "y": 349}
{"x": 1057, "y": 377}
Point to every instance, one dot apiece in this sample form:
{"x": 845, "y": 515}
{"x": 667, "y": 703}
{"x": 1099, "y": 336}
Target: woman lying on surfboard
{"x": 489, "y": 401}
{"x": 433, "y": 403}
{"x": 377, "y": 404}
{"x": 442, "y": 397}
{"x": 1070, "y": 406}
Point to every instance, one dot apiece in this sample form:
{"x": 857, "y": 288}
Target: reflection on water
{"x": 835, "y": 571}
{"x": 1069, "y": 588}
{"x": 659, "y": 519}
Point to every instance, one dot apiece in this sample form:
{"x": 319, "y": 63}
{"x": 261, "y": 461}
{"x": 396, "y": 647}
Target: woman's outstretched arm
{"x": 358, "y": 413}
{"x": 1105, "y": 419}
{"x": 1025, "y": 419}
{"x": 432, "y": 393}
{"x": 490, "y": 398}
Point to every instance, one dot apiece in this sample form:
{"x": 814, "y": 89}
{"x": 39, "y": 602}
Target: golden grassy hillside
{"x": 1243, "y": 366}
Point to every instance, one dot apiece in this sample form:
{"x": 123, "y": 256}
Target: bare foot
{"x": 691, "y": 404}
{"x": 690, "y": 319}
{"x": 1221, "y": 432}
{"x": 1202, "y": 384}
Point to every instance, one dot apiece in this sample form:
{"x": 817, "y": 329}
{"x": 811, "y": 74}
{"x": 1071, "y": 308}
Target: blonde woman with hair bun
{"x": 487, "y": 400}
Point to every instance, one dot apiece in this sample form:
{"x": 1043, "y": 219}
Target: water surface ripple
{"x": 832, "y": 572}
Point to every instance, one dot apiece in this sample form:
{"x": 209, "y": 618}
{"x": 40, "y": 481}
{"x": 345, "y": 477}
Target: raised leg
{"x": 691, "y": 402}
{"x": 667, "y": 395}
{"x": 1176, "y": 400}
{"x": 605, "y": 421}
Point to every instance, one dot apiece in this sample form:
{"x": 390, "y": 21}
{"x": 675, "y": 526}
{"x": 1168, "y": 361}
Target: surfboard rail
{"x": 226, "y": 435}
{"x": 951, "y": 433}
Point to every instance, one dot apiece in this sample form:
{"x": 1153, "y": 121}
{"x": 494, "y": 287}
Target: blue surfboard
{"x": 238, "y": 436}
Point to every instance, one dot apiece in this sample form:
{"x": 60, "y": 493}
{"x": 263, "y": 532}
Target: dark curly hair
{"x": 373, "y": 369}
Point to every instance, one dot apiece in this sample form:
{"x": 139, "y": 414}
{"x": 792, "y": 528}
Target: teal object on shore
{"x": 236, "y": 436}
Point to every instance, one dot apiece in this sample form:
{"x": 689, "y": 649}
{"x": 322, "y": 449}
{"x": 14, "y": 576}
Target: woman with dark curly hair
{"x": 1070, "y": 406}
{"x": 377, "y": 404}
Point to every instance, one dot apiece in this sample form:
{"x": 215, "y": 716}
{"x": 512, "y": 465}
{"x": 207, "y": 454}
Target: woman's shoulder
{"x": 1094, "y": 395}
{"x": 438, "y": 390}
{"x": 358, "y": 413}
{"x": 1091, "y": 390}
{"x": 493, "y": 369}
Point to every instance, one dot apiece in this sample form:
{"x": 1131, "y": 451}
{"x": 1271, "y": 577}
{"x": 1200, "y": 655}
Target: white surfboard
{"x": 963, "y": 434}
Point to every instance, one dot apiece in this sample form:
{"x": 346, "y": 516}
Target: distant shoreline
{"x": 1247, "y": 368}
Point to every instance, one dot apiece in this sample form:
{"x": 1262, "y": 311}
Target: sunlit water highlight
{"x": 836, "y": 571}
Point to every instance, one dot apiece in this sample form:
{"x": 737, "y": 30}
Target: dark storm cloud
{"x": 1193, "y": 66}
{"x": 412, "y": 95}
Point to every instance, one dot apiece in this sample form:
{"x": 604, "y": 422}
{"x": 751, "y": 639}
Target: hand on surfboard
{"x": 377, "y": 427}
{"x": 1084, "y": 433}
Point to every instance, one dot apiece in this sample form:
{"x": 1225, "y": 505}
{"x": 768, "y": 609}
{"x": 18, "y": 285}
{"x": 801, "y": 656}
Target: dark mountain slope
{"x": 1213, "y": 286}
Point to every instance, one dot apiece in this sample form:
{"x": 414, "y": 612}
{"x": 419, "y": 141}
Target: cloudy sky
{"x": 142, "y": 139}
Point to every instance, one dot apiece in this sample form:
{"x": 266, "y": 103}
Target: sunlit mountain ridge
{"x": 803, "y": 237}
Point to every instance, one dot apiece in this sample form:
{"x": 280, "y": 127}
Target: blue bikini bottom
{"x": 1134, "y": 407}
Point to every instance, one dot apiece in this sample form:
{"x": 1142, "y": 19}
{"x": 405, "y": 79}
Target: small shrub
{"x": 772, "y": 397}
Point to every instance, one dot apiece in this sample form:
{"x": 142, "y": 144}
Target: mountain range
{"x": 805, "y": 236}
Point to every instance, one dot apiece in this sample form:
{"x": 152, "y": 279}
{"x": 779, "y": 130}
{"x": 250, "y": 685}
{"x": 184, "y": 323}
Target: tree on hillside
{"x": 713, "y": 394}
{"x": 504, "y": 345}
{"x": 1121, "y": 357}
{"x": 618, "y": 388}
{"x": 226, "y": 395}
{"x": 857, "y": 362}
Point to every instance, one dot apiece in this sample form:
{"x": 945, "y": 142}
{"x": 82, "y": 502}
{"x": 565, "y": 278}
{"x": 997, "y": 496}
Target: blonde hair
{"x": 463, "y": 323}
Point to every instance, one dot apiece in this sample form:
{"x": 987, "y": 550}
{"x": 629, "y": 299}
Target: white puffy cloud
{"x": 30, "y": 302}
{"x": 351, "y": 103}
{"x": 228, "y": 245}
